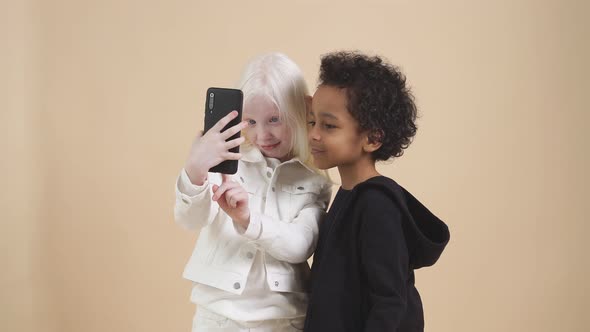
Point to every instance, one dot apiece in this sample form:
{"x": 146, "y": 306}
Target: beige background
{"x": 100, "y": 100}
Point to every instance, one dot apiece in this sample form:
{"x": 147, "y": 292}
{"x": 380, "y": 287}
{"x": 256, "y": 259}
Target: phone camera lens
{"x": 211, "y": 99}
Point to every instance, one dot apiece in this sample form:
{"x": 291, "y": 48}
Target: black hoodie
{"x": 362, "y": 277}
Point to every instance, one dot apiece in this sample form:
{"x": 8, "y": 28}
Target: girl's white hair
{"x": 277, "y": 78}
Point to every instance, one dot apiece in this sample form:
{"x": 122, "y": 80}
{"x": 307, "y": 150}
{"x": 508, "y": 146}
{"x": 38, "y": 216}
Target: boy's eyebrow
{"x": 328, "y": 115}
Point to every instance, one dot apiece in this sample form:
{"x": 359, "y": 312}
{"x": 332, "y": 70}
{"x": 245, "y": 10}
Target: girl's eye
{"x": 329, "y": 126}
{"x": 274, "y": 119}
{"x": 311, "y": 123}
{"x": 251, "y": 122}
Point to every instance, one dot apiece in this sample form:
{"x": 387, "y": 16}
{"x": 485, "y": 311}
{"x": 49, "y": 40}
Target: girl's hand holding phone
{"x": 210, "y": 149}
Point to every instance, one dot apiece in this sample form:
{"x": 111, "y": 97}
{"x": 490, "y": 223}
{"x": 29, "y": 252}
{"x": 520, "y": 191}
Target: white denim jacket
{"x": 286, "y": 206}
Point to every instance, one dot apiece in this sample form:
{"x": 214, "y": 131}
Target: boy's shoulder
{"x": 377, "y": 187}
{"x": 379, "y": 193}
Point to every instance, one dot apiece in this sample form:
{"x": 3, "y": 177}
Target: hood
{"x": 426, "y": 235}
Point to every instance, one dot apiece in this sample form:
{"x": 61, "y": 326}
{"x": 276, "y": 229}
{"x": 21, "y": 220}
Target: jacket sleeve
{"x": 193, "y": 208}
{"x": 292, "y": 242}
{"x": 384, "y": 260}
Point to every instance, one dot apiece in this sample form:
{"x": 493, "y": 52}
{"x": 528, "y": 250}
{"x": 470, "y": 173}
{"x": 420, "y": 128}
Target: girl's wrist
{"x": 245, "y": 222}
{"x": 196, "y": 175}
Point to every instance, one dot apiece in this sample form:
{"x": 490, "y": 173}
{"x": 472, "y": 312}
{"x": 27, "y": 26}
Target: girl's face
{"x": 266, "y": 129}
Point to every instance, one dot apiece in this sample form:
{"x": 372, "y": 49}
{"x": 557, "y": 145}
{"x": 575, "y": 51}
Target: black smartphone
{"x": 219, "y": 103}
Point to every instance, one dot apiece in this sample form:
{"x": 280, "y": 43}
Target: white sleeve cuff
{"x": 186, "y": 187}
{"x": 254, "y": 228}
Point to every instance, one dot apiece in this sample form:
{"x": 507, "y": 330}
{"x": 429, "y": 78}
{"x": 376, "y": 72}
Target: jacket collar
{"x": 251, "y": 154}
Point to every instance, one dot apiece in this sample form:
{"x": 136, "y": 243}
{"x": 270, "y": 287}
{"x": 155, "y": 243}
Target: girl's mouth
{"x": 269, "y": 147}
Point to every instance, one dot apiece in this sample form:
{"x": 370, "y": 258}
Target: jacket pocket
{"x": 256, "y": 194}
{"x": 300, "y": 195}
{"x": 251, "y": 187}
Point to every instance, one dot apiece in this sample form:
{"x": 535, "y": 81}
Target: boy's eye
{"x": 311, "y": 123}
{"x": 251, "y": 122}
{"x": 329, "y": 126}
{"x": 274, "y": 119}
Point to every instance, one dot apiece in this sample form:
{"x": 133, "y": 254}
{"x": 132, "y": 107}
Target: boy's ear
{"x": 307, "y": 104}
{"x": 370, "y": 147}
{"x": 373, "y": 141}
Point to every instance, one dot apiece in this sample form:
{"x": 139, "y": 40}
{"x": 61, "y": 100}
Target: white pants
{"x": 207, "y": 321}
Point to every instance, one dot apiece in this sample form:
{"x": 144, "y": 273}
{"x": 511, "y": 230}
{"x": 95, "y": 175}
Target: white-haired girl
{"x": 258, "y": 227}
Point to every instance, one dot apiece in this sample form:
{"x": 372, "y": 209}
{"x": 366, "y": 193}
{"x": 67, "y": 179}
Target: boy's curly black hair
{"x": 377, "y": 98}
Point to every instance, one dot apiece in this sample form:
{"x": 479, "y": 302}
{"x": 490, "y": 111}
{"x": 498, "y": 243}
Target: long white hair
{"x": 277, "y": 78}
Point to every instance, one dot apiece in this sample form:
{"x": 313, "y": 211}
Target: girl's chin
{"x": 274, "y": 153}
{"x": 271, "y": 155}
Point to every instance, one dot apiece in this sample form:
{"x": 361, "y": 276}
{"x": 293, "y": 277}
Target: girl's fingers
{"x": 225, "y": 186}
{"x": 215, "y": 189}
{"x": 241, "y": 197}
{"x": 230, "y": 199}
{"x": 234, "y": 196}
{"x": 235, "y": 142}
{"x": 224, "y": 121}
{"x": 232, "y": 156}
{"x": 218, "y": 192}
{"x": 234, "y": 130}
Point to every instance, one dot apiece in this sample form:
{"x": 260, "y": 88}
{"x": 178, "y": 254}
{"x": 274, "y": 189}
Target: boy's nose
{"x": 312, "y": 134}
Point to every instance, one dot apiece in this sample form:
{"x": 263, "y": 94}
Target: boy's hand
{"x": 233, "y": 199}
{"x": 210, "y": 149}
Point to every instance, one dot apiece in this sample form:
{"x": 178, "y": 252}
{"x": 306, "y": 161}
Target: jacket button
{"x": 242, "y": 179}
{"x": 277, "y": 283}
{"x": 273, "y": 189}
{"x": 268, "y": 174}
{"x": 300, "y": 188}
{"x": 250, "y": 255}
{"x": 237, "y": 285}
{"x": 185, "y": 201}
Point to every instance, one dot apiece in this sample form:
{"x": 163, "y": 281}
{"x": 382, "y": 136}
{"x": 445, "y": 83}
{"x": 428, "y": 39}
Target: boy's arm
{"x": 292, "y": 242}
{"x": 384, "y": 259}
{"x": 193, "y": 207}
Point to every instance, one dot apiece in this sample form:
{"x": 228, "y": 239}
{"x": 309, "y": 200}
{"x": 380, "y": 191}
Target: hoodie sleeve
{"x": 384, "y": 260}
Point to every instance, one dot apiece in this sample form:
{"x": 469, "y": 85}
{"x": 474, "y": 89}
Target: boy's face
{"x": 333, "y": 133}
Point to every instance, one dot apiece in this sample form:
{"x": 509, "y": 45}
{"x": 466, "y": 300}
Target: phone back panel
{"x": 218, "y": 103}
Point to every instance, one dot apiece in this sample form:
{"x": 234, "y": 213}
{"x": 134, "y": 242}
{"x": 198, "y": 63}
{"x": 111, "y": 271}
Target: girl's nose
{"x": 263, "y": 132}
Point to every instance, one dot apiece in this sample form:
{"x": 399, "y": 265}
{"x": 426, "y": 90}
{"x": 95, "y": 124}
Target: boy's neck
{"x": 353, "y": 174}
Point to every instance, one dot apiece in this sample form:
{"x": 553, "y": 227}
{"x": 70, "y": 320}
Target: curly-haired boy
{"x": 376, "y": 233}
